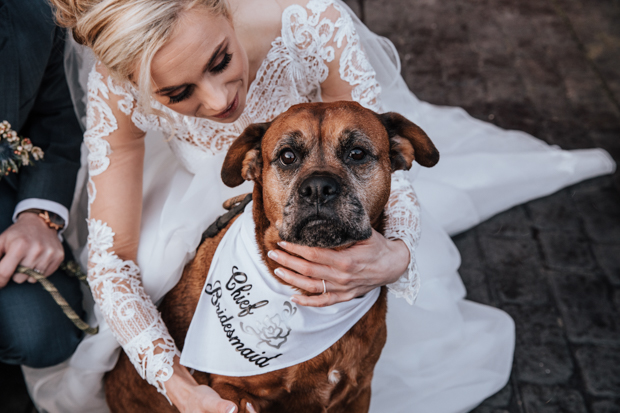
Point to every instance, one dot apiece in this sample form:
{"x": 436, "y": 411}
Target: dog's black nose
{"x": 319, "y": 188}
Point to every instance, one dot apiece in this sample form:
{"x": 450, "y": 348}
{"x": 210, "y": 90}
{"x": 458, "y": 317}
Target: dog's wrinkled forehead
{"x": 331, "y": 125}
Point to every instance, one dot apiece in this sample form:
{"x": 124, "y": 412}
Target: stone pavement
{"x": 550, "y": 68}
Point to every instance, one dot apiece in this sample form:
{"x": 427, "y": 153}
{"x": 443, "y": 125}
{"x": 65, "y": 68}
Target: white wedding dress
{"x": 444, "y": 354}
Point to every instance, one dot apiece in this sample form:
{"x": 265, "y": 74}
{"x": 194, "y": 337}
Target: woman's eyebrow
{"x": 206, "y": 67}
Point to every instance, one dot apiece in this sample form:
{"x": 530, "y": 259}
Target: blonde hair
{"x": 125, "y": 35}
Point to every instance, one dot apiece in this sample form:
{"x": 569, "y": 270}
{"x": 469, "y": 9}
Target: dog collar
{"x": 245, "y": 323}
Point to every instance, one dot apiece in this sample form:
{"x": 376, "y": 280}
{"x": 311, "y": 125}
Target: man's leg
{"x": 33, "y": 329}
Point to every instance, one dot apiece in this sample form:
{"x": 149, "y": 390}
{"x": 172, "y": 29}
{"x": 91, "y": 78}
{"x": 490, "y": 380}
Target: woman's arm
{"x": 116, "y": 157}
{"x": 380, "y": 260}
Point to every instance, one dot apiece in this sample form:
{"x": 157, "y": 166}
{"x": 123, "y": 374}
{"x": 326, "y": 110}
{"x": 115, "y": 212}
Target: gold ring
{"x": 324, "y": 287}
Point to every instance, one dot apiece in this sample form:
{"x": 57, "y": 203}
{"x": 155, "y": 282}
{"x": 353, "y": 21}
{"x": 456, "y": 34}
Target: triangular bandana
{"x": 245, "y": 323}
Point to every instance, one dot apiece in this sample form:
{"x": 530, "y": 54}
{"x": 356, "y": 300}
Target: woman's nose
{"x": 214, "y": 96}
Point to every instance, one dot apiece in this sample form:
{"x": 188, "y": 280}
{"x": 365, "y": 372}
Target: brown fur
{"x": 306, "y": 387}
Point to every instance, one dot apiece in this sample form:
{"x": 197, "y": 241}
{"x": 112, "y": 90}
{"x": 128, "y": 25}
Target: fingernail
{"x": 279, "y": 272}
{"x": 283, "y": 244}
{"x": 294, "y": 299}
{"x": 249, "y": 406}
{"x": 232, "y": 409}
{"x": 273, "y": 255}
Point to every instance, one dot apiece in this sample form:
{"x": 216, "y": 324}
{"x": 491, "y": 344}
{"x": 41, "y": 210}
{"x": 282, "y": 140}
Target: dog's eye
{"x": 287, "y": 157}
{"x": 357, "y": 154}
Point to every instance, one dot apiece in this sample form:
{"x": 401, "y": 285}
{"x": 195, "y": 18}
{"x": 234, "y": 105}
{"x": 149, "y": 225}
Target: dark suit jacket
{"x": 35, "y": 100}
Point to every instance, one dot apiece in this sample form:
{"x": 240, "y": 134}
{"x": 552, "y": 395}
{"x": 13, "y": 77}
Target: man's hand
{"x": 31, "y": 243}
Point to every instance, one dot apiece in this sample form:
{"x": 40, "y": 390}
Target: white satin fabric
{"x": 444, "y": 354}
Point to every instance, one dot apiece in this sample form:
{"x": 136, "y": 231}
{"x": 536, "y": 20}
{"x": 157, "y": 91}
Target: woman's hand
{"x": 191, "y": 397}
{"x": 348, "y": 273}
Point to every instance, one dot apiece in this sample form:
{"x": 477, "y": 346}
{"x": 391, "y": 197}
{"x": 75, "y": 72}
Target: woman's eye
{"x": 223, "y": 64}
{"x": 357, "y": 154}
{"x": 287, "y": 157}
{"x": 185, "y": 93}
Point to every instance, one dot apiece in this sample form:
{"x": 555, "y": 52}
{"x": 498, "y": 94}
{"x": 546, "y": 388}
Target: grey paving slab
{"x": 588, "y": 311}
{"x": 608, "y": 260}
{"x": 600, "y": 212}
{"x": 568, "y": 251}
{"x": 542, "y": 354}
{"x": 556, "y": 399}
{"x": 507, "y": 252}
{"x": 555, "y": 213}
{"x": 600, "y": 369}
{"x": 513, "y": 223}
{"x": 514, "y": 270}
{"x": 598, "y": 31}
{"x": 606, "y": 406}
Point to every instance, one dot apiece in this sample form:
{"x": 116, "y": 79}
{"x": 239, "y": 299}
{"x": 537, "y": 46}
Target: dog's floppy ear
{"x": 243, "y": 160}
{"x": 408, "y": 142}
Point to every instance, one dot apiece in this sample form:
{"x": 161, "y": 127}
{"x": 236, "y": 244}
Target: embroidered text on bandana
{"x": 245, "y": 322}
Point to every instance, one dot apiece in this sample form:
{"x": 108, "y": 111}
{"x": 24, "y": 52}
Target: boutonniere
{"x": 15, "y": 151}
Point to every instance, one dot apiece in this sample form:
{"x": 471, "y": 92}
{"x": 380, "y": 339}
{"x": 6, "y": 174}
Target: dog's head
{"x": 324, "y": 168}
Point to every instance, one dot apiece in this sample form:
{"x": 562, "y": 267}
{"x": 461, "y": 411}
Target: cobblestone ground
{"x": 550, "y": 68}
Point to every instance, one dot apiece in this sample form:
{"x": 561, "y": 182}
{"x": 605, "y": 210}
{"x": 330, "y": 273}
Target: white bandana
{"x": 245, "y": 322}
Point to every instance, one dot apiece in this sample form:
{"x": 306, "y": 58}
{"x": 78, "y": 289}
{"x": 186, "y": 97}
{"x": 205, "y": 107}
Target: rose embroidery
{"x": 274, "y": 330}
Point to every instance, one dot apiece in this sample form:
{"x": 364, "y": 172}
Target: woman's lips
{"x": 230, "y": 109}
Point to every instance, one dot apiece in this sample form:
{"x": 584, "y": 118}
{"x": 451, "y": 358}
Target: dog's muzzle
{"x": 323, "y": 213}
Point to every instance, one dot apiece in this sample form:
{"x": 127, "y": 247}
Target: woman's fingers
{"x": 333, "y": 293}
{"x": 224, "y": 406}
{"x": 322, "y": 300}
{"x": 318, "y": 255}
{"x": 300, "y": 265}
{"x": 210, "y": 402}
{"x": 311, "y": 285}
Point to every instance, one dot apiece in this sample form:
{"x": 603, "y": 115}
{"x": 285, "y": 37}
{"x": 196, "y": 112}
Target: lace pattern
{"x": 403, "y": 223}
{"x": 116, "y": 284}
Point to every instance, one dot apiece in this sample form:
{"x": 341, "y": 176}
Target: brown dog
{"x": 322, "y": 176}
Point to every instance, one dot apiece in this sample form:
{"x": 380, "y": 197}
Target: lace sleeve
{"x": 346, "y": 73}
{"x": 351, "y": 77}
{"x": 403, "y": 223}
{"x": 116, "y": 154}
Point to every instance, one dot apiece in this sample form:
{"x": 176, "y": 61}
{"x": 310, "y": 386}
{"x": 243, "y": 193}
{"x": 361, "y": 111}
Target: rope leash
{"x": 72, "y": 268}
{"x": 234, "y": 206}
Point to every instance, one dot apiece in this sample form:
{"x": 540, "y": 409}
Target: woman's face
{"x": 203, "y": 70}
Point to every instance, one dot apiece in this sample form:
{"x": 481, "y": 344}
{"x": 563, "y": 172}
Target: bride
{"x": 176, "y": 82}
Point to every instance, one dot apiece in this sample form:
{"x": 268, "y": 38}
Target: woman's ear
{"x": 408, "y": 142}
{"x": 243, "y": 160}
